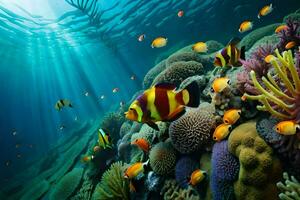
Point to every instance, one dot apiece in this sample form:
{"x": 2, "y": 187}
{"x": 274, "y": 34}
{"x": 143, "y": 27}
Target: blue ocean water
{"x": 50, "y": 50}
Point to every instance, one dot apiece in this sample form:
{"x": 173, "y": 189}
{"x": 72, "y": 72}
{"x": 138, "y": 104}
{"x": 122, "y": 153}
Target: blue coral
{"x": 183, "y": 170}
{"x": 225, "y": 169}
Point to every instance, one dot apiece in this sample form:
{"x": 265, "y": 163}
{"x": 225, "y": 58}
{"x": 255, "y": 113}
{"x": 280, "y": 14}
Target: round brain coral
{"x": 260, "y": 170}
{"x": 152, "y": 73}
{"x": 178, "y": 72}
{"x": 162, "y": 158}
{"x": 192, "y": 131}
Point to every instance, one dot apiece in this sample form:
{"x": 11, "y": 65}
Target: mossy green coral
{"x": 290, "y": 188}
{"x": 113, "y": 185}
{"x": 172, "y": 191}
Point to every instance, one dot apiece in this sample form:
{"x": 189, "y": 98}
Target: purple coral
{"x": 257, "y": 63}
{"x": 183, "y": 170}
{"x": 225, "y": 169}
{"x": 292, "y": 33}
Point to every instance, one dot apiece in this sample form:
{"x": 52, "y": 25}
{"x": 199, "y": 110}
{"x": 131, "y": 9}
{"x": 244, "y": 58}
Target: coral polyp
{"x": 279, "y": 93}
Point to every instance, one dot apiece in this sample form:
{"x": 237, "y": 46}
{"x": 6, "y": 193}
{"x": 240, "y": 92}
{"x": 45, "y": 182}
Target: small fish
{"x": 200, "y": 47}
{"x": 19, "y": 156}
{"x": 221, "y": 132}
{"x": 76, "y": 118}
{"x": 63, "y": 103}
{"x": 197, "y": 176}
{"x": 135, "y": 170}
{"x": 281, "y": 28}
{"x": 86, "y": 159}
{"x": 265, "y": 11}
{"x": 14, "y": 132}
{"x": 180, "y": 13}
{"x": 18, "y": 146}
{"x": 219, "y": 84}
{"x": 122, "y": 103}
{"x": 231, "y": 116}
{"x": 163, "y": 103}
{"x": 96, "y": 149}
{"x": 62, "y": 127}
{"x": 230, "y": 55}
{"x": 133, "y": 77}
{"x": 142, "y": 144}
{"x": 290, "y": 45}
{"x": 141, "y": 37}
{"x": 7, "y": 163}
{"x": 115, "y": 90}
{"x": 86, "y": 94}
{"x": 245, "y": 26}
{"x": 102, "y": 97}
{"x": 159, "y": 42}
{"x": 30, "y": 146}
{"x": 287, "y": 127}
{"x": 104, "y": 140}
{"x": 269, "y": 58}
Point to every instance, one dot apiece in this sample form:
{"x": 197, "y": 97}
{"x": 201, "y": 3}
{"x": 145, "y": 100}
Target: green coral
{"x": 162, "y": 158}
{"x": 260, "y": 170}
{"x": 67, "y": 185}
{"x": 113, "y": 185}
{"x": 290, "y": 188}
{"x": 172, "y": 191}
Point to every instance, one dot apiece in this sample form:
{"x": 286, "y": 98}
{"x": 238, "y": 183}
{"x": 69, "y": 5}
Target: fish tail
{"x": 193, "y": 95}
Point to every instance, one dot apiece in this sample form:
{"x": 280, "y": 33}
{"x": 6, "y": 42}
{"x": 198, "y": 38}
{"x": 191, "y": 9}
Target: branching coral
{"x": 113, "y": 185}
{"x": 290, "y": 188}
{"x": 291, "y": 34}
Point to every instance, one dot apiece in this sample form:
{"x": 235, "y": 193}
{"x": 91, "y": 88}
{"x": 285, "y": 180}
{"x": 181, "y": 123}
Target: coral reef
{"x": 292, "y": 33}
{"x": 111, "y": 123}
{"x": 265, "y": 129}
{"x": 185, "y": 166}
{"x": 172, "y": 191}
{"x": 192, "y": 131}
{"x": 162, "y": 158}
{"x": 259, "y": 168}
{"x": 113, "y": 185}
{"x": 178, "y": 72}
{"x": 225, "y": 169}
{"x": 290, "y": 188}
{"x": 125, "y": 128}
{"x": 152, "y": 73}
{"x": 67, "y": 185}
{"x": 153, "y": 181}
{"x": 37, "y": 191}
{"x": 86, "y": 190}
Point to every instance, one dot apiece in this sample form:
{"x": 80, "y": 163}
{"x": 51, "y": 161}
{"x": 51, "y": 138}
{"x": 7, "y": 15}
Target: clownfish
{"x": 104, "y": 140}
{"x": 230, "y": 55}
{"x": 287, "y": 127}
{"x": 231, "y": 116}
{"x": 63, "y": 103}
{"x": 159, "y": 42}
{"x": 265, "y": 11}
{"x": 197, "y": 176}
{"x": 163, "y": 103}
{"x": 221, "y": 132}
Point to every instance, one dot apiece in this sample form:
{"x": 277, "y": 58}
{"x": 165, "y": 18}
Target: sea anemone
{"x": 292, "y": 33}
{"x": 290, "y": 188}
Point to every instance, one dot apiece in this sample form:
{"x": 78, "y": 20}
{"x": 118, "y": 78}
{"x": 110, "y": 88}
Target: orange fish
{"x": 197, "y": 176}
{"x": 269, "y": 58}
{"x": 287, "y": 127}
{"x": 290, "y": 45}
{"x": 265, "y": 11}
{"x": 221, "y": 132}
{"x": 245, "y": 26}
{"x": 135, "y": 170}
{"x": 281, "y": 28}
{"x": 219, "y": 84}
{"x": 231, "y": 116}
{"x": 115, "y": 90}
{"x": 86, "y": 159}
{"x": 142, "y": 144}
{"x": 180, "y": 13}
{"x": 141, "y": 37}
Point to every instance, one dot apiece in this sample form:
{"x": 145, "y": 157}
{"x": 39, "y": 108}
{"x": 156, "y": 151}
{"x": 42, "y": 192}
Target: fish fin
{"x": 234, "y": 41}
{"x": 153, "y": 125}
{"x": 176, "y": 114}
{"x": 168, "y": 86}
{"x": 243, "y": 50}
{"x": 194, "y": 94}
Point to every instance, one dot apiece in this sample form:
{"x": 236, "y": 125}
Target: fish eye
{"x": 212, "y": 89}
{"x": 230, "y": 128}
{"x": 228, "y": 82}
{"x": 215, "y": 138}
{"x": 226, "y": 121}
{"x": 130, "y": 108}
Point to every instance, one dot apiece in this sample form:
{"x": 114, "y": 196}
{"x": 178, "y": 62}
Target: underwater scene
{"x": 150, "y": 99}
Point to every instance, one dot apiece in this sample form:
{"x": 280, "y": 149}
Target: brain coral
{"x": 178, "y": 72}
{"x": 67, "y": 185}
{"x": 124, "y": 129}
{"x": 152, "y": 73}
{"x": 192, "y": 131}
{"x": 259, "y": 168}
{"x": 225, "y": 169}
{"x": 162, "y": 158}
{"x": 183, "y": 170}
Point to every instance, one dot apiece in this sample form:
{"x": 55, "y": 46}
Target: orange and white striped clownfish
{"x": 230, "y": 55}
{"x": 163, "y": 103}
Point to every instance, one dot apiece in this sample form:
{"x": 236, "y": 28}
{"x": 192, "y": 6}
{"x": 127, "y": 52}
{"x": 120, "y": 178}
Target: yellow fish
{"x": 197, "y": 176}
{"x": 159, "y": 42}
{"x": 221, "y": 132}
{"x": 135, "y": 170}
{"x": 265, "y": 11}
{"x": 281, "y": 28}
{"x": 219, "y": 84}
{"x": 200, "y": 47}
{"x": 231, "y": 116}
{"x": 162, "y": 103}
{"x": 63, "y": 103}
{"x": 290, "y": 45}
{"x": 104, "y": 139}
{"x": 245, "y": 26}
{"x": 287, "y": 127}
{"x": 269, "y": 58}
